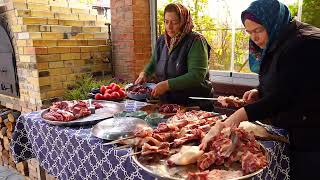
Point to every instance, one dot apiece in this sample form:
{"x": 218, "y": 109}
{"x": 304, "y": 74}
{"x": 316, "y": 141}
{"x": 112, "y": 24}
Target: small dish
{"x": 136, "y": 114}
{"x": 154, "y": 119}
{"x": 138, "y": 92}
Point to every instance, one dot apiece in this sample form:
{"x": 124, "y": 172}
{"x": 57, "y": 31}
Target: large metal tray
{"x": 116, "y": 128}
{"x": 109, "y": 109}
{"x": 161, "y": 170}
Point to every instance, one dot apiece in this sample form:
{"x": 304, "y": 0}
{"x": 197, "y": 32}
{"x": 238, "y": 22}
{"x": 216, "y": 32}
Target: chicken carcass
{"x": 186, "y": 155}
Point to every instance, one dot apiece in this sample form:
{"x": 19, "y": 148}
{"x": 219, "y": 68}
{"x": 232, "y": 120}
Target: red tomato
{"x": 103, "y": 89}
{"x": 112, "y": 84}
{"x": 109, "y": 91}
{"x": 99, "y": 96}
{"x": 122, "y": 93}
{"x": 107, "y": 96}
{"x": 115, "y": 87}
{"x": 109, "y": 87}
{"x": 115, "y": 95}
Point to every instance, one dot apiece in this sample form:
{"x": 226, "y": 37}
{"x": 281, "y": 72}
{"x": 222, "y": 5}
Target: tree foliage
{"x": 218, "y": 35}
{"x": 311, "y": 12}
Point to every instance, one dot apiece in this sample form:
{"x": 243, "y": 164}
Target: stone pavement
{"x": 9, "y": 174}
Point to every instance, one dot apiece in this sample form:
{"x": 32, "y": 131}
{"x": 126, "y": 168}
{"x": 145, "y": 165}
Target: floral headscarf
{"x": 273, "y": 16}
{"x": 185, "y": 23}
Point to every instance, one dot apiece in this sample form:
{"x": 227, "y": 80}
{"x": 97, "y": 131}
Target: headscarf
{"x": 274, "y": 16}
{"x": 186, "y": 25}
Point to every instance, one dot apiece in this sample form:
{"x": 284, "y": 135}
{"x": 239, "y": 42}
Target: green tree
{"x": 217, "y": 33}
{"x": 197, "y": 8}
{"x": 293, "y": 9}
{"x": 311, "y": 12}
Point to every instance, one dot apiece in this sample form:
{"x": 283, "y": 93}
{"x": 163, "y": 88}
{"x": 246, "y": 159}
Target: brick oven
{"x": 44, "y": 46}
{"x": 8, "y": 69}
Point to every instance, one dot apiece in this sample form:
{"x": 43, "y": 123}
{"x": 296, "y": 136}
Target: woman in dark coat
{"x": 180, "y": 60}
{"x": 286, "y": 55}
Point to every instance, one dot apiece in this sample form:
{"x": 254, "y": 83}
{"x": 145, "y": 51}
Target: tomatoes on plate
{"x": 99, "y": 96}
{"x": 111, "y": 92}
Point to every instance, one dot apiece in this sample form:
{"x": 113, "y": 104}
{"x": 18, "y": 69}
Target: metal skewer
{"x": 122, "y": 147}
{"x": 132, "y": 154}
{"x": 118, "y": 140}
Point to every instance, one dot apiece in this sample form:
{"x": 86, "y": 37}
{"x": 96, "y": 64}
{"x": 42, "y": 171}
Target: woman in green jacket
{"x": 179, "y": 61}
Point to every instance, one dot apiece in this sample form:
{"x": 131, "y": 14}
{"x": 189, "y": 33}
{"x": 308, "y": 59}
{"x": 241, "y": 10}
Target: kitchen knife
{"x": 204, "y": 98}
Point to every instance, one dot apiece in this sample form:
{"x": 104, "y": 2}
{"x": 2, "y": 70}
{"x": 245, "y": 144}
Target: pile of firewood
{"x": 7, "y": 124}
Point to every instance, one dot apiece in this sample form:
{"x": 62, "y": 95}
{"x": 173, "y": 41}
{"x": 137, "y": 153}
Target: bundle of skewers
{"x": 197, "y": 137}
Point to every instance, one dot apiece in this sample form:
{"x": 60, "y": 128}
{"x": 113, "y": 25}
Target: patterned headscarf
{"x": 185, "y": 23}
{"x": 273, "y": 16}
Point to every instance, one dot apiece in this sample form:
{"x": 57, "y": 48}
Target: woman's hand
{"x": 161, "y": 88}
{"x": 141, "y": 79}
{"x": 251, "y": 96}
{"x": 236, "y": 118}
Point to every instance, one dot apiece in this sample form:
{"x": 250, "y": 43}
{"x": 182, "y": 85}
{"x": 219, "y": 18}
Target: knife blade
{"x": 204, "y": 98}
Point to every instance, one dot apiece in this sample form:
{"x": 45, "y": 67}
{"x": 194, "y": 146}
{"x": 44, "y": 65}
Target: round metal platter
{"x": 116, "y": 128}
{"x": 161, "y": 170}
{"x": 109, "y": 109}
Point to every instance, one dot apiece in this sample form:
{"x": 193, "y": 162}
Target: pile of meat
{"x": 139, "y": 89}
{"x": 231, "y": 145}
{"x": 178, "y": 141}
{"x": 231, "y": 101}
{"x": 169, "y": 108}
{"x": 69, "y": 110}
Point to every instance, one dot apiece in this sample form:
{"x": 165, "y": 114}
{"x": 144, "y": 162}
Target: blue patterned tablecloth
{"x": 73, "y": 153}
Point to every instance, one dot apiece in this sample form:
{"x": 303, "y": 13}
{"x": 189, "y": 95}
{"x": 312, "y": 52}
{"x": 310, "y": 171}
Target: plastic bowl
{"x": 139, "y": 97}
{"x": 154, "y": 119}
{"x": 137, "y": 114}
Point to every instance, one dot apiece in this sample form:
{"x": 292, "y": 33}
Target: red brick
{"x": 28, "y": 50}
{"x": 128, "y": 2}
{"x": 131, "y": 36}
{"x": 41, "y": 50}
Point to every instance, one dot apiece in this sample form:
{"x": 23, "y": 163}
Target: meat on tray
{"x": 231, "y": 101}
{"x": 198, "y": 175}
{"x": 69, "y": 110}
{"x": 224, "y": 174}
{"x": 169, "y": 108}
{"x": 211, "y": 145}
{"x": 186, "y": 155}
{"x": 139, "y": 89}
{"x": 162, "y": 149}
{"x": 248, "y": 152}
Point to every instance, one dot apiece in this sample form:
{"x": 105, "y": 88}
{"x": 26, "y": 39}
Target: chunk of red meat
{"x": 252, "y": 162}
{"x": 198, "y": 175}
{"x": 206, "y": 160}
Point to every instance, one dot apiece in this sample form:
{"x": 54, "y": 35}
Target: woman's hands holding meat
{"x": 141, "y": 79}
{"x": 161, "y": 88}
{"x": 251, "y": 96}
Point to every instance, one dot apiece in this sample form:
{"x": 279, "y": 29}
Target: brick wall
{"x": 130, "y": 36}
{"x": 55, "y": 41}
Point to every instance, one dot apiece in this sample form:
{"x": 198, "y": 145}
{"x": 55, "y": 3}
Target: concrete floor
{"x": 9, "y": 174}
